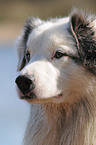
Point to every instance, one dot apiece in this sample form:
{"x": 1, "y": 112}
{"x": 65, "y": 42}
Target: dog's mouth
{"x": 28, "y": 96}
{"x": 32, "y": 96}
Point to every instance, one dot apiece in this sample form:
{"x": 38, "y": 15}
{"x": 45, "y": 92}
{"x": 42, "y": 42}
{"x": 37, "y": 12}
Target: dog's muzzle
{"x": 26, "y": 85}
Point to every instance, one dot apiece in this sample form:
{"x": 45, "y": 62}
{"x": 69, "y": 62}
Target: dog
{"x": 57, "y": 76}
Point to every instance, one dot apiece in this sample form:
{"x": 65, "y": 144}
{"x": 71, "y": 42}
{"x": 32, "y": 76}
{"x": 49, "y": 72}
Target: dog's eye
{"x": 59, "y": 54}
{"x": 27, "y": 56}
{"x": 25, "y": 60}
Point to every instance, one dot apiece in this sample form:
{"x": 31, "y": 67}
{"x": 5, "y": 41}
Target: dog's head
{"x": 55, "y": 58}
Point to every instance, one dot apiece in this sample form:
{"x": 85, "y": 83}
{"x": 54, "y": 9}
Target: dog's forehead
{"x": 50, "y": 35}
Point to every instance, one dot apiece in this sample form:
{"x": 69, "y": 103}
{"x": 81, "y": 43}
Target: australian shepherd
{"x": 57, "y": 76}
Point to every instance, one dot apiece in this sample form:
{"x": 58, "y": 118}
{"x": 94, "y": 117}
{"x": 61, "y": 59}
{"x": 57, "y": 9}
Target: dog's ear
{"x": 85, "y": 40}
{"x": 30, "y": 24}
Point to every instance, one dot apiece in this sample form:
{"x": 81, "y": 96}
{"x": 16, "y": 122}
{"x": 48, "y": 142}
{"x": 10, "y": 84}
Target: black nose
{"x": 25, "y": 84}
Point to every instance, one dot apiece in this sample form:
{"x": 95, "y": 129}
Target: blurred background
{"x": 14, "y": 113}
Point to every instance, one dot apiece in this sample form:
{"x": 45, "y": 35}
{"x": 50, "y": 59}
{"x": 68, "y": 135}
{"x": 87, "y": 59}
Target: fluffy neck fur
{"x": 64, "y": 123}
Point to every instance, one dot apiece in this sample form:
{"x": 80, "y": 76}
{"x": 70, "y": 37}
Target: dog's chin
{"x": 32, "y": 98}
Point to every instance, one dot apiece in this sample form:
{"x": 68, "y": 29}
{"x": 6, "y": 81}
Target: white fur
{"x": 58, "y": 120}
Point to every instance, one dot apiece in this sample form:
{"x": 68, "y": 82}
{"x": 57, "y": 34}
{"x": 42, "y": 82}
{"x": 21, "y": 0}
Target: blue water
{"x": 13, "y": 111}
